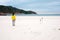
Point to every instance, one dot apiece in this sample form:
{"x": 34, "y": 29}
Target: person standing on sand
{"x": 13, "y": 19}
{"x": 41, "y": 20}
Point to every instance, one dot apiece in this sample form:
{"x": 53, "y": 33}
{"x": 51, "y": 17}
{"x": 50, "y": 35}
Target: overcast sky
{"x": 40, "y": 6}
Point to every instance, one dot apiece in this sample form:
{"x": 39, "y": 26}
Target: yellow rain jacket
{"x": 13, "y": 17}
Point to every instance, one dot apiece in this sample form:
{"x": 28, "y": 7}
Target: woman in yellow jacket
{"x": 13, "y": 19}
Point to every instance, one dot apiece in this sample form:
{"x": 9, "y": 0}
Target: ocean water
{"x": 35, "y": 14}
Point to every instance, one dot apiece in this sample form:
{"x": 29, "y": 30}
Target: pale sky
{"x": 40, "y": 6}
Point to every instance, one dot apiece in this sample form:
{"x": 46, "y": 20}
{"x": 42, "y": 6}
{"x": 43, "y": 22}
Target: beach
{"x": 30, "y": 28}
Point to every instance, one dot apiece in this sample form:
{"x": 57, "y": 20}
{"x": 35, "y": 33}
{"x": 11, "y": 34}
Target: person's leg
{"x": 13, "y": 22}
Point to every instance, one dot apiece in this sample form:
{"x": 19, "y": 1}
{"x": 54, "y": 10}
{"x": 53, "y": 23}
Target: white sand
{"x": 30, "y": 28}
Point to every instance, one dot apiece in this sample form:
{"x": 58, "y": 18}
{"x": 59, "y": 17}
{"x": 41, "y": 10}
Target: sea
{"x": 34, "y": 14}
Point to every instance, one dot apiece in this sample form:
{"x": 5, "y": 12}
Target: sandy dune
{"x": 30, "y": 28}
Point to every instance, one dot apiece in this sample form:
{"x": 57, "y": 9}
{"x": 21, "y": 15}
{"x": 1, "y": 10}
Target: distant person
{"x": 41, "y": 20}
{"x": 13, "y": 19}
